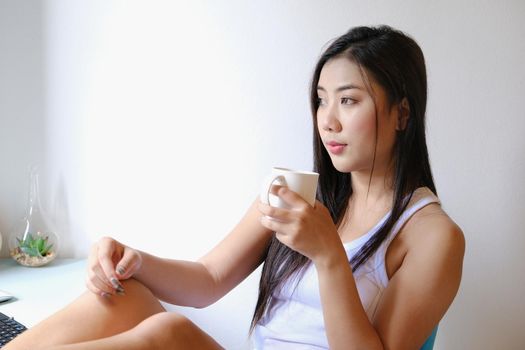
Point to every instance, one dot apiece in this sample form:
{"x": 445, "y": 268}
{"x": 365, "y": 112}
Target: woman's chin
{"x": 347, "y": 166}
{"x": 342, "y": 168}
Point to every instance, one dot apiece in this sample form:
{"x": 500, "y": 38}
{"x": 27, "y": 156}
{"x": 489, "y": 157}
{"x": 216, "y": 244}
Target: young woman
{"x": 375, "y": 264}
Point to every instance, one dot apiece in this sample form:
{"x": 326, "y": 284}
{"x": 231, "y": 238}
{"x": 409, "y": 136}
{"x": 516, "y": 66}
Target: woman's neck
{"x": 374, "y": 194}
{"x": 370, "y": 201}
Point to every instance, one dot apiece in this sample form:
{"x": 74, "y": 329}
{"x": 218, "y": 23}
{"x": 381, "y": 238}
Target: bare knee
{"x": 127, "y": 310}
{"x": 92, "y": 317}
{"x": 164, "y": 326}
{"x": 174, "y": 330}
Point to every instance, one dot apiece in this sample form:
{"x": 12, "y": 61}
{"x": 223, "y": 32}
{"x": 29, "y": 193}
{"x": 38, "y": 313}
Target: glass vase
{"x": 33, "y": 241}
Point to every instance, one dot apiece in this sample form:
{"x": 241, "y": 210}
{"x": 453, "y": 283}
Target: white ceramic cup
{"x": 304, "y": 183}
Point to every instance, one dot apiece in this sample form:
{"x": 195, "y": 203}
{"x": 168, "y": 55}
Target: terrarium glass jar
{"x": 33, "y": 241}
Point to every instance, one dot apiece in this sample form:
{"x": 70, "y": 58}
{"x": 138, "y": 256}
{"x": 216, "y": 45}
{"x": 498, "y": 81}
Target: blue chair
{"x": 429, "y": 344}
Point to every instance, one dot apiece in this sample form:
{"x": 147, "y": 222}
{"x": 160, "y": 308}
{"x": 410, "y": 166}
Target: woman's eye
{"x": 321, "y": 101}
{"x": 347, "y": 101}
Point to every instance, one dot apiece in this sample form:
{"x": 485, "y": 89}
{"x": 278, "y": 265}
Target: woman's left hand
{"x": 303, "y": 228}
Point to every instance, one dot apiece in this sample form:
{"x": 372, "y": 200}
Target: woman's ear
{"x": 403, "y": 115}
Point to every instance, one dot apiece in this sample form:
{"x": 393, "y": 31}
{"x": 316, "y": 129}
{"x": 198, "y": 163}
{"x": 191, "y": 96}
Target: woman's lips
{"x": 335, "y": 147}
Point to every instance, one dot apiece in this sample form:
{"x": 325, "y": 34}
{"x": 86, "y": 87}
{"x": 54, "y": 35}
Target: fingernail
{"x": 120, "y": 291}
{"x": 116, "y": 284}
{"x": 105, "y": 295}
{"x": 120, "y": 270}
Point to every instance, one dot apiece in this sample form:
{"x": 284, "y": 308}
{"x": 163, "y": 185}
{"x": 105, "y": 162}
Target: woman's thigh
{"x": 92, "y": 317}
{"x": 160, "y": 331}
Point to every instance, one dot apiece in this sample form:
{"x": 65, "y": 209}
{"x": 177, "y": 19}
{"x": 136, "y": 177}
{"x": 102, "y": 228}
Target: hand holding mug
{"x": 298, "y": 220}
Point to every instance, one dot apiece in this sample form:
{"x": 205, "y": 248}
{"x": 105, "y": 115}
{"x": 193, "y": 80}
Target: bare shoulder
{"x": 430, "y": 228}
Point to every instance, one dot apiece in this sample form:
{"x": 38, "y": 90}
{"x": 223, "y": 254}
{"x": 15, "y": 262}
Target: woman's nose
{"x": 330, "y": 119}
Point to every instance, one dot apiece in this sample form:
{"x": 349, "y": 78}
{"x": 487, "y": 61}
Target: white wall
{"x": 22, "y": 101}
{"x": 147, "y": 115}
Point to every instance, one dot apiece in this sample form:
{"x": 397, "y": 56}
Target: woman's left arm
{"x": 420, "y": 292}
{"x": 411, "y": 304}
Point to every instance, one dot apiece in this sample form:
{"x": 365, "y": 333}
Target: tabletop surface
{"x": 40, "y": 291}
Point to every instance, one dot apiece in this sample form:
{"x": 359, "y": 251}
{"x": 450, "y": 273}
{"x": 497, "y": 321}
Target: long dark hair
{"x": 396, "y": 62}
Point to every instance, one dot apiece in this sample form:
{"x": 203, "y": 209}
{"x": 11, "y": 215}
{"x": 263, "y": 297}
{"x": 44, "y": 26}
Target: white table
{"x": 40, "y": 291}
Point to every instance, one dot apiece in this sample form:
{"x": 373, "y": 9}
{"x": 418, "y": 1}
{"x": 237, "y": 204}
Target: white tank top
{"x": 297, "y": 321}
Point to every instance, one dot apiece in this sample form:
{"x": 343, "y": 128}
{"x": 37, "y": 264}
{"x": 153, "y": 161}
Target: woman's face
{"x": 346, "y": 118}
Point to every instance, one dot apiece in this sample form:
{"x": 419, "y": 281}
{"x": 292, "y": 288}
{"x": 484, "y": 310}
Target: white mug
{"x": 304, "y": 183}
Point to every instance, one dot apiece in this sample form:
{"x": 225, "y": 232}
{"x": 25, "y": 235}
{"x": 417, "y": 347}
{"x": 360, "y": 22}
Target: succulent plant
{"x": 34, "y": 246}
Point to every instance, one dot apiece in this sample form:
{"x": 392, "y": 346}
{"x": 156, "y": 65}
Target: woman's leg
{"x": 92, "y": 317}
{"x": 160, "y": 331}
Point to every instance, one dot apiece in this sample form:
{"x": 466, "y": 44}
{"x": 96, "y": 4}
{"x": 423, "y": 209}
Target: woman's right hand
{"x": 109, "y": 262}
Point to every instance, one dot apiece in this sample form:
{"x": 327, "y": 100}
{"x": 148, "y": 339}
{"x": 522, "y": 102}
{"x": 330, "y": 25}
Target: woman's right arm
{"x": 188, "y": 283}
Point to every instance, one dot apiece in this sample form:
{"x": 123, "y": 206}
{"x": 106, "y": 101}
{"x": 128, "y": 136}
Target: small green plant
{"x": 34, "y": 246}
